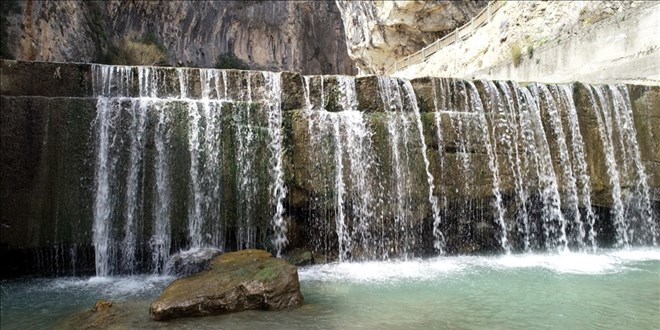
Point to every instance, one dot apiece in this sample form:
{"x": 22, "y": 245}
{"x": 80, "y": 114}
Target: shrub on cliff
{"x": 516, "y": 54}
{"x": 145, "y": 51}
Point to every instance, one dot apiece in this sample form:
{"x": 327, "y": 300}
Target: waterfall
{"x": 410, "y": 95}
{"x": 578, "y": 157}
{"x": 605, "y": 131}
{"x": 138, "y": 113}
{"x": 111, "y": 81}
{"x": 565, "y": 170}
{"x": 511, "y": 134}
{"x": 398, "y": 123}
{"x": 278, "y": 190}
{"x": 245, "y": 137}
{"x": 360, "y": 168}
{"x": 553, "y": 221}
{"x": 102, "y": 203}
{"x": 349, "y": 139}
{"x": 439, "y": 239}
{"x": 632, "y": 213}
{"x": 142, "y": 125}
{"x": 478, "y": 108}
{"x": 160, "y": 241}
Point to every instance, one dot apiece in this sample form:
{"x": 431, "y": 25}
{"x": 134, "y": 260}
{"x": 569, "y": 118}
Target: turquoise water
{"x": 610, "y": 289}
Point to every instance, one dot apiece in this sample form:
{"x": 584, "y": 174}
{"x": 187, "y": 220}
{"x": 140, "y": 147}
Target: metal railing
{"x": 462, "y": 33}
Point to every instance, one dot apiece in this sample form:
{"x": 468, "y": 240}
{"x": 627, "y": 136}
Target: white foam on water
{"x": 637, "y": 254}
{"x": 606, "y": 262}
{"x": 106, "y": 287}
{"x": 388, "y": 271}
{"x": 576, "y": 263}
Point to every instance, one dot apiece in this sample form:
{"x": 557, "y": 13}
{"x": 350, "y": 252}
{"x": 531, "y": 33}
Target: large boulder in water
{"x": 236, "y": 281}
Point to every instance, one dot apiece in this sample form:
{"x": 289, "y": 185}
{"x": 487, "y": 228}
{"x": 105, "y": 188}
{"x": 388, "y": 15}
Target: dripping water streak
{"x": 439, "y": 239}
{"x": 553, "y": 222}
{"x": 513, "y": 156}
{"x": 246, "y": 237}
{"x": 571, "y": 202}
{"x": 273, "y": 84}
{"x": 161, "y": 235}
{"x": 580, "y": 164}
{"x": 102, "y": 203}
{"x": 478, "y": 108}
{"x": 138, "y": 114}
{"x": 410, "y": 93}
{"x": 603, "y": 120}
{"x": 641, "y": 210}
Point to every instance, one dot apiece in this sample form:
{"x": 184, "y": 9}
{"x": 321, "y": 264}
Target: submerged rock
{"x": 236, "y": 281}
{"x": 105, "y": 314}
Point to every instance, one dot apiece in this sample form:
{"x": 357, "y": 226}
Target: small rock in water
{"x": 102, "y": 305}
{"x": 105, "y": 314}
{"x": 236, "y": 281}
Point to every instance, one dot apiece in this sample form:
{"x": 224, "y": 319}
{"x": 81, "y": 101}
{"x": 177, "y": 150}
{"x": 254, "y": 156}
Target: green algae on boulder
{"x": 247, "y": 279}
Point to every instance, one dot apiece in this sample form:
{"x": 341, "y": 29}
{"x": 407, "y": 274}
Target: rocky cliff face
{"x": 380, "y": 32}
{"x": 305, "y": 36}
{"x": 554, "y": 41}
{"x": 56, "y": 31}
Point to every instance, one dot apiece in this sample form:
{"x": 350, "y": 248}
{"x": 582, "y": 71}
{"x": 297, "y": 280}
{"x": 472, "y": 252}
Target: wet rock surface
{"x": 380, "y": 32}
{"x": 104, "y": 315}
{"x": 190, "y": 262}
{"x": 247, "y": 279}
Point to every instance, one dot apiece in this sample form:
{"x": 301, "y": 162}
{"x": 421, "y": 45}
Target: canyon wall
{"x": 303, "y": 36}
{"x": 380, "y": 32}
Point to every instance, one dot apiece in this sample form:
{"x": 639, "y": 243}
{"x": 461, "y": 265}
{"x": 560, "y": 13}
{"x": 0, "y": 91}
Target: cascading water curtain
{"x": 180, "y": 167}
{"x": 523, "y": 180}
{"x": 197, "y": 158}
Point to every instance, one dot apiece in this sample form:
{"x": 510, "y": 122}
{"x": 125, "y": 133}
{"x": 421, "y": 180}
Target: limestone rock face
{"x": 380, "y": 32}
{"x": 302, "y": 36}
{"x": 247, "y": 279}
{"x": 54, "y": 31}
{"x": 305, "y": 36}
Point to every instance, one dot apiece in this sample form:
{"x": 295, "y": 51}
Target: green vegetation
{"x": 518, "y": 49}
{"x": 589, "y": 16}
{"x": 144, "y": 51}
{"x": 516, "y": 54}
{"x": 230, "y": 61}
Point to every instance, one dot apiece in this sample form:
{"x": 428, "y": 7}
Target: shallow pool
{"x": 617, "y": 289}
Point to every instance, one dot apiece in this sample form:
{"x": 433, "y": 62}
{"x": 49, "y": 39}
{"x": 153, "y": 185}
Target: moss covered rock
{"x": 247, "y": 279}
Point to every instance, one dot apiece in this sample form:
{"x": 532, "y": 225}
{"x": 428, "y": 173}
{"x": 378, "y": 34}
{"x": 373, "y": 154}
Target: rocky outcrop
{"x": 380, "y": 32}
{"x": 627, "y": 43}
{"x": 57, "y": 31}
{"x": 248, "y": 279}
{"x": 553, "y": 42}
{"x": 305, "y": 36}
